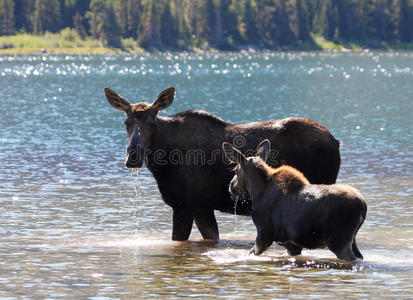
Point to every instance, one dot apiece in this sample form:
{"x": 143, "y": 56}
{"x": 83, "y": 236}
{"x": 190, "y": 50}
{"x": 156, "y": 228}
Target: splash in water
{"x": 229, "y": 256}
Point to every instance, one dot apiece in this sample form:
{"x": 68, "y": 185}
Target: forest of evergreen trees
{"x": 222, "y": 24}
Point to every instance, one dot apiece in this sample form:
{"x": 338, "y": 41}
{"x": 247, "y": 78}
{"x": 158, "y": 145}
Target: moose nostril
{"x": 133, "y": 156}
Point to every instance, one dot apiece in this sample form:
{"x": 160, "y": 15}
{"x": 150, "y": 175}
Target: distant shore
{"x": 67, "y": 42}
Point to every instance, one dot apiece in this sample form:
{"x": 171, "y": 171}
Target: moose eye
{"x": 127, "y": 124}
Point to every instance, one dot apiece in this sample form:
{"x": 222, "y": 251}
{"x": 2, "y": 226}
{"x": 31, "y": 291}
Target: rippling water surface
{"x": 75, "y": 223}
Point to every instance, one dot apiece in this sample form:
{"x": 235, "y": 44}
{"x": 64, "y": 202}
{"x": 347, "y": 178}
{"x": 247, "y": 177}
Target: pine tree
{"x": 211, "y": 21}
{"x": 149, "y": 34}
{"x": 103, "y": 23}
{"x": 285, "y": 35}
{"x": 250, "y": 20}
{"x": 134, "y": 10}
{"x": 331, "y": 28}
{"x": 47, "y": 16}
{"x": 121, "y": 9}
{"x": 6, "y": 17}
{"x": 169, "y": 28}
{"x": 78, "y": 25}
{"x": 19, "y": 14}
{"x": 406, "y": 21}
{"x": 229, "y": 26}
{"x": 302, "y": 16}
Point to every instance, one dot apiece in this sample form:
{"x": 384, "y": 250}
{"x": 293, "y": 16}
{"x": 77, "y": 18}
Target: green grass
{"x": 324, "y": 44}
{"x": 66, "y": 40}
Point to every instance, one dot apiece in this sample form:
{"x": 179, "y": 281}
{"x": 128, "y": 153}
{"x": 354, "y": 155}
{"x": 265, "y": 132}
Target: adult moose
{"x": 184, "y": 154}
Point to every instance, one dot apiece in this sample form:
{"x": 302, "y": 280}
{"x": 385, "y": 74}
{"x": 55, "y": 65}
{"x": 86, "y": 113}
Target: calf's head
{"x": 140, "y": 121}
{"x": 246, "y": 169}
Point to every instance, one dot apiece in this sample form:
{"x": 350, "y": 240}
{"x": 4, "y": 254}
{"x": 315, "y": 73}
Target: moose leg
{"x": 292, "y": 250}
{"x": 342, "y": 250}
{"x": 182, "y": 223}
{"x": 356, "y": 250}
{"x": 207, "y": 224}
{"x": 345, "y": 253}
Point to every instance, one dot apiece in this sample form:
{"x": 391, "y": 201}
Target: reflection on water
{"x": 75, "y": 223}
{"x": 97, "y": 245}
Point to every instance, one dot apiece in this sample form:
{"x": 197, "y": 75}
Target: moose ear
{"x": 263, "y": 150}
{"x": 117, "y": 101}
{"x": 233, "y": 154}
{"x": 164, "y": 99}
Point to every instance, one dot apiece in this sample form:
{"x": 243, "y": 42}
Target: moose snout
{"x": 134, "y": 157}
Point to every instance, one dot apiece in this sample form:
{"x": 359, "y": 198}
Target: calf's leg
{"x": 342, "y": 238}
{"x": 207, "y": 224}
{"x": 293, "y": 250}
{"x": 262, "y": 243}
{"x": 182, "y": 221}
{"x": 345, "y": 253}
{"x": 356, "y": 250}
{"x": 341, "y": 247}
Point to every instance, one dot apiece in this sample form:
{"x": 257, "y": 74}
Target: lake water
{"x": 75, "y": 223}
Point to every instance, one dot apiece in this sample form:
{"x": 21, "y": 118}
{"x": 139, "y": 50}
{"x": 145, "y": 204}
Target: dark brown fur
{"x": 195, "y": 190}
{"x": 289, "y": 210}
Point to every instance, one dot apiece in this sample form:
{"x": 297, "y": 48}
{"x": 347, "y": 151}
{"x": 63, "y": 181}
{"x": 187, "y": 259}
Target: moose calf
{"x": 289, "y": 210}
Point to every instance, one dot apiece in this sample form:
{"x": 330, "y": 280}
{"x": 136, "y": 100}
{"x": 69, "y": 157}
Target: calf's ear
{"x": 263, "y": 150}
{"x": 233, "y": 154}
{"x": 164, "y": 99}
{"x": 117, "y": 101}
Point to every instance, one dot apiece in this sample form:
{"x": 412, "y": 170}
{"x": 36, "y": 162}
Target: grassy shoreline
{"x": 68, "y": 41}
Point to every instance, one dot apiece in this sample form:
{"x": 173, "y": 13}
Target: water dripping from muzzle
{"x": 242, "y": 203}
{"x": 235, "y": 212}
{"x": 137, "y": 202}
